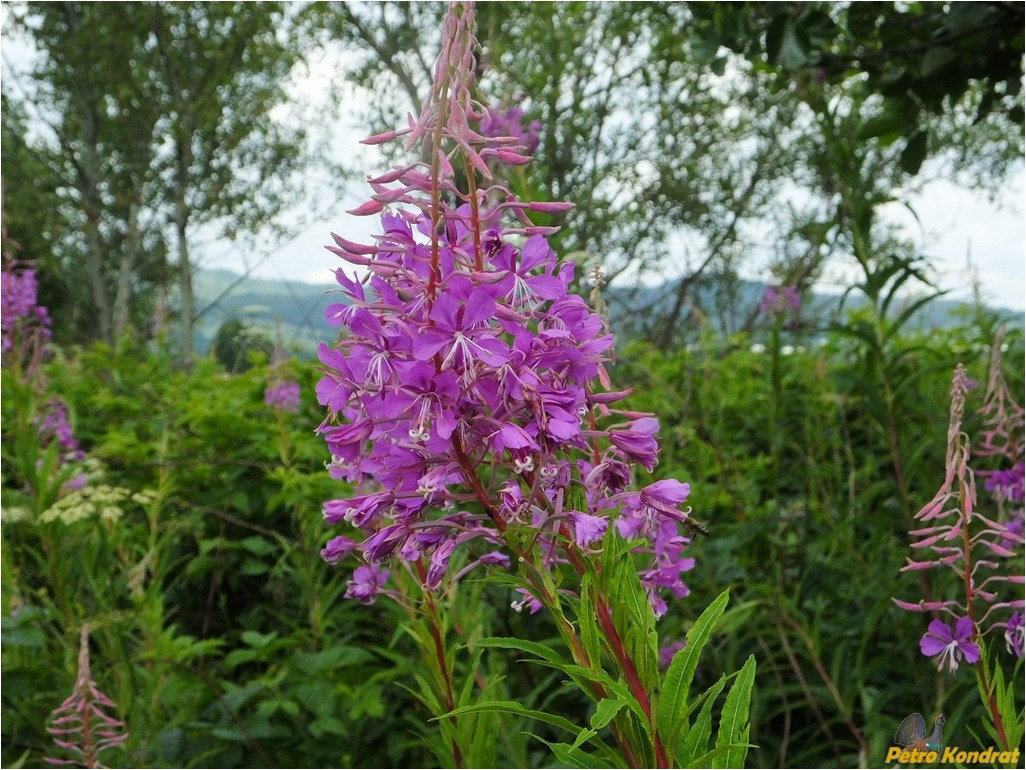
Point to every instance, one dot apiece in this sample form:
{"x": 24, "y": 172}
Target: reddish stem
{"x": 475, "y": 214}
{"x": 630, "y": 671}
{"x": 967, "y": 580}
{"x": 443, "y": 667}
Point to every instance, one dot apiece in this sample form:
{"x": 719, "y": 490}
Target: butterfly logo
{"x": 912, "y": 733}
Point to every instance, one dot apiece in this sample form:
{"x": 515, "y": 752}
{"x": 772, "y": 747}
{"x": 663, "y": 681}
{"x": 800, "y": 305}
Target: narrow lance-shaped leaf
{"x": 673, "y": 696}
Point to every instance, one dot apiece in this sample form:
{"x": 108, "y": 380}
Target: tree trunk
{"x": 88, "y": 176}
{"x": 125, "y": 272}
{"x": 181, "y": 217}
{"x": 184, "y": 280}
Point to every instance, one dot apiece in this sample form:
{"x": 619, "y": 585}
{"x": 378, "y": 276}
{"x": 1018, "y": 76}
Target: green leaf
{"x": 887, "y": 125}
{"x": 587, "y": 624}
{"x": 936, "y": 59}
{"x": 734, "y": 724}
{"x": 535, "y": 648}
{"x": 269, "y": 707}
{"x": 697, "y": 738}
{"x": 238, "y": 657}
{"x": 673, "y": 695}
{"x": 784, "y": 45}
{"x": 915, "y": 152}
{"x": 256, "y": 639}
{"x": 572, "y": 756}
{"x": 512, "y": 707}
{"x": 326, "y": 726}
{"x": 607, "y": 709}
{"x": 257, "y": 545}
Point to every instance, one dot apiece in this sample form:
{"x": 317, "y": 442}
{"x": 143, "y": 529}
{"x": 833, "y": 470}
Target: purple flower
{"x": 510, "y": 123}
{"x": 1007, "y": 484}
{"x": 54, "y": 426}
{"x": 1014, "y": 634}
{"x": 950, "y": 646}
{"x": 780, "y": 300}
{"x": 666, "y": 652}
{"x": 587, "y": 528}
{"x": 359, "y": 511}
{"x": 283, "y": 396}
{"x": 24, "y": 322}
{"x": 368, "y": 581}
{"x": 638, "y": 442}
{"x": 529, "y": 601}
{"x": 338, "y": 548}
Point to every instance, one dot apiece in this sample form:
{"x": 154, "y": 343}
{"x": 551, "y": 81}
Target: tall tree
{"x": 219, "y": 72}
{"x": 158, "y": 121}
{"x": 93, "y": 136}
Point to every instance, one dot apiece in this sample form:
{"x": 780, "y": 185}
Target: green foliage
{"x": 926, "y": 60}
{"x": 218, "y": 630}
{"x": 224, "y": 639}
{"x": 793, "y": 458}
{"x": 234, "y": 344}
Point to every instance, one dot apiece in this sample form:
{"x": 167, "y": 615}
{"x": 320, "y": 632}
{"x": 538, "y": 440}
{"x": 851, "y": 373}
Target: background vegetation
{"x": 809, "y": 437}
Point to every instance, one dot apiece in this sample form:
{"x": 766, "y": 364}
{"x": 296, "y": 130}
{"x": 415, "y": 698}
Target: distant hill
{"x": 292, "y": 308}
{"x": 629, "y": 305}
{"x": 296, "y": 309}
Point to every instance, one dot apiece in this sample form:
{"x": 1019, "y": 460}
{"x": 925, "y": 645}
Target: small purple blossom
{"x": 667, "y": 651}
{"x": 338, "y": 548}
{"x": 54, "y": 426}
{"x": 283, "y": 396}
{"x": 368, "y": 581}
{"x": 510, "y": 123}
{"x": 526, "y": 600}
{"x": 1014, "y": 634}
{"x": 939, "y": 640}
{"x": 781, "y": 300}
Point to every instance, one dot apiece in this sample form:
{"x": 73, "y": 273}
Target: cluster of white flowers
{"x": 101, "y": 501}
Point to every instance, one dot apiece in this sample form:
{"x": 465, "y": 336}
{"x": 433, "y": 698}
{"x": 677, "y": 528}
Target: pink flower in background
{"x": 666, "y": 652}
{"x": 25, "y": 323}
{"x": 510, "y": 123}
{"x": 54, "y": 426}
{"x": 781, "y": 300}
{"x": 283, "y": 396}
{"x": 83, "y": 725}
{"x": 1014, "y": 634}
{"x": 19, "y": 310}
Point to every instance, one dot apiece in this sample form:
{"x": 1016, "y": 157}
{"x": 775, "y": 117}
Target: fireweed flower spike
{"x": 283, "y": 395}
{"x": 25, "y": 323}
{"x": 984, "y": 553}
{"x": 463, "y": 349}
{"x": 83, "y": 725}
